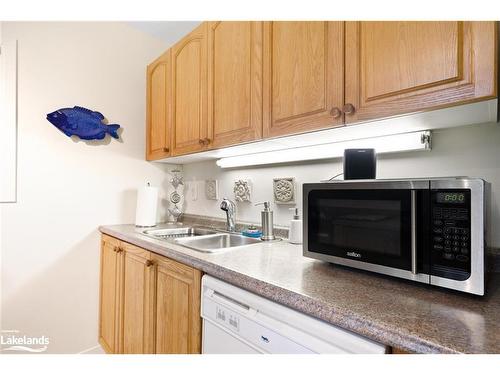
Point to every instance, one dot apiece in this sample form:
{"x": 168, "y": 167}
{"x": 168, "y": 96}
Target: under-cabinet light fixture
{"x": 413, "y": 141}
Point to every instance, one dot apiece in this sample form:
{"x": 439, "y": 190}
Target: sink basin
{"x": 201, "y": 239}
{"x": 182, "y": 232}
{"x": 216, "y": 242}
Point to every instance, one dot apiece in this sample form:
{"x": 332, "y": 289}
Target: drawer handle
{"x": 336, "y": 112}
{"x": 149, "y": 263}
{"x": 166, "y": 149}
{"x": 348, "y": 109}
{"x": 201, "y": 141}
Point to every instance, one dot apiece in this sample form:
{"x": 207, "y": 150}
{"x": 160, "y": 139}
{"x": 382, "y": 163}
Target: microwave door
{"x": 376, "y": 229}
{"x": 346, "y": 229}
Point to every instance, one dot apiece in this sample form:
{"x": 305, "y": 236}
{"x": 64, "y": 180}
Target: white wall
{"x": 49, "y": 239}
{"x": 8, "y": 90}
{"x": 466, "y": 151}
{"x": 169, "y": 32}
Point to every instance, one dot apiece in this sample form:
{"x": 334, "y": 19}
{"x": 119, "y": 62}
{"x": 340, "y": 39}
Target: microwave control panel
{"x": 451, "y": 231}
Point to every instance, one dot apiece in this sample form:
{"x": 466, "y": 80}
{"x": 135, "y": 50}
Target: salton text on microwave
{"x": 353, "y": 254}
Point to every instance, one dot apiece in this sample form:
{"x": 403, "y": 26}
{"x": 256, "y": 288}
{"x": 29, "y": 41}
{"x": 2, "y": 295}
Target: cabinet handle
{"x": 166, "y": 149}
{"x": 348, "y": 109}
{"x": 119, "y": 250}
{"x": 115, "y": 249}
{"x": 149, "y": 263}
{"x": 204, "y": 141}
{"x": 336, "y": 112}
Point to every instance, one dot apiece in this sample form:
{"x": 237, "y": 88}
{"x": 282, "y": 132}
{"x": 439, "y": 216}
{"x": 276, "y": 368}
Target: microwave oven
{"x": 430, "y": 231}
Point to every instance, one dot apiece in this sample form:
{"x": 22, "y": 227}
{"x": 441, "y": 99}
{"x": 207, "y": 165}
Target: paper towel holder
{"x": 146, "y": 208}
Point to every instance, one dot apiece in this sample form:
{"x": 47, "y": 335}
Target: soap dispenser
{"x": 295, "y": 232}
{"x": 267, "y": 222}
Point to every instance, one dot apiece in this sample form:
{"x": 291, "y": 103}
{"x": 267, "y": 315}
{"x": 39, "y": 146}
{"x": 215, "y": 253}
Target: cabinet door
{"x": 235, "y": 82}
{"x": 303, "y": 76}
{"x": 158, "y": 108}
{"x": 138, "y": 301}
{"x": 110, "y": 294}
{"x": 189, "y": 88}
{"x": 400, "y": 67}
{"x": 178, "y": 322}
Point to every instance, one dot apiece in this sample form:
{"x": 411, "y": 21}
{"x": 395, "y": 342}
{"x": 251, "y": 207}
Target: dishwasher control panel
{"x": 227, "y": 317}
{"x": 245, "y": 324}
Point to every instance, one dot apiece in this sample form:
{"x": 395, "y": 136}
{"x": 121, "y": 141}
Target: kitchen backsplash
{"x": 213, "y": 222}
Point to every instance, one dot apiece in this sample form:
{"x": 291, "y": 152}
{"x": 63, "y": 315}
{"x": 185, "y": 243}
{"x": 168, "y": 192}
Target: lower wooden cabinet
{"x": 148, "y": 303}
{"x": 178, "y": 322}
{"x": 138, "y": 300}
{"x": 110, "y": 293}
{"x": 394, "y": 350}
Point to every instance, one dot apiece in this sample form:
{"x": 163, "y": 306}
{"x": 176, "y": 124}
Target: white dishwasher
{"x": 237, "y": 321}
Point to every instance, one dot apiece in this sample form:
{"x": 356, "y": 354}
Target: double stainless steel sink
{"x": 201, "y": 239}
{"x": 178, "y": 232}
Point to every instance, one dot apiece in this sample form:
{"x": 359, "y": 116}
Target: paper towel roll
{"x": 147, "y": 203}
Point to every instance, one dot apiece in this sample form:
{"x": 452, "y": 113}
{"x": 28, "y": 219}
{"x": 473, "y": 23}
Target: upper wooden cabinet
{"x": 228, "y": 83}
{"x": 158, "y": 108}
{"x": 189, "y": 92}
{"x": 400, "y": 67}
{"x": 303, "y": 76}
{"x": 234, "y": 82}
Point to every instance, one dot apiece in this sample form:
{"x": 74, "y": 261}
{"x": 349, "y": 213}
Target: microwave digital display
{"x": 450, "y": 197}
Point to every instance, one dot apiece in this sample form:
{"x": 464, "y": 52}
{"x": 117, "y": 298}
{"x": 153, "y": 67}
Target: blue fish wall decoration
{"x": 82, "y": 122}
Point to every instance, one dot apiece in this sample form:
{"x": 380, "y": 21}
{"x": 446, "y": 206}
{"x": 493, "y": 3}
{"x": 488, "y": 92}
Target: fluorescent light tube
{"x": 393, "y": 143}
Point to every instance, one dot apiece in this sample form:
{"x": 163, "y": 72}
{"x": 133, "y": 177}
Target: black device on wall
{"x": 360, "y": 164}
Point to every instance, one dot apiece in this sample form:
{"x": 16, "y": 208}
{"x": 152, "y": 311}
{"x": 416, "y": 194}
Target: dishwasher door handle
{"x": 227, "y": 301}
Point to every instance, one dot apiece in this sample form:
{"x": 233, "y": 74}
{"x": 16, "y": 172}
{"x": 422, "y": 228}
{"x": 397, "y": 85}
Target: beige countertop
{"x": 399, "y": 313}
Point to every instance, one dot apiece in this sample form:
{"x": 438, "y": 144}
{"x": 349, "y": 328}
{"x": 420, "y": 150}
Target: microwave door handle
{"x": 414, "y": 232}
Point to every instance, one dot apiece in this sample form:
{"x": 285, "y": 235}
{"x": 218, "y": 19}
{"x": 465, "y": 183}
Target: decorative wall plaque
{"x": 284, "y": 190}
{"x": 242, "y": 191}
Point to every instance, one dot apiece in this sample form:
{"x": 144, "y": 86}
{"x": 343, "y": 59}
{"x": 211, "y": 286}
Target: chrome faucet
{"x": 230, "y": 208}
